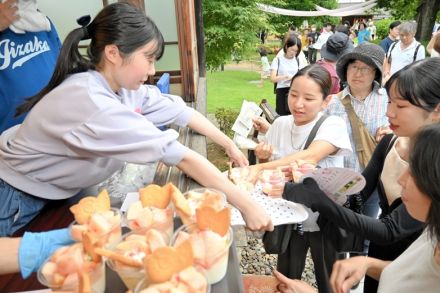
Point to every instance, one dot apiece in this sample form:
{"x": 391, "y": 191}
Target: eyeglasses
{"x": 363, "y": 70}
{"x": 405, "y": 36}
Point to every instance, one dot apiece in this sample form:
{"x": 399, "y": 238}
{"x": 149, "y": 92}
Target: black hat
{"x": 368, "y": 53}
{"x": 337, "y": 45}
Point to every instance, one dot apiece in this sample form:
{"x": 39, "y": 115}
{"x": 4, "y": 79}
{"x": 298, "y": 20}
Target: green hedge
{"x": 382, "y": 27}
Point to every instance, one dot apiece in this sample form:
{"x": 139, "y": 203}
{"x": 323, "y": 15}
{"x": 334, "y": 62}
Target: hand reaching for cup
{"x": 236, "y": 156}
{"x": 263, "y": 151}
{"x": 287, "y": 285}
{"x": 347, "y": 273}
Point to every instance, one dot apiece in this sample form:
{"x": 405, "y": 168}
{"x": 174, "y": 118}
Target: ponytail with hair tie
{"x": 84, "y": 21}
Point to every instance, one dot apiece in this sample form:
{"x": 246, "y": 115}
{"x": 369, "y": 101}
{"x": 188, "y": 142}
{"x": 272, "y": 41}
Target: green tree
{"x": 230, "y": 29}
{"x": 231, "y": 26}
{"x": 425, "y": 12}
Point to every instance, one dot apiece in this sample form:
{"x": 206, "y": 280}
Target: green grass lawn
{"x": 228, "y": 89}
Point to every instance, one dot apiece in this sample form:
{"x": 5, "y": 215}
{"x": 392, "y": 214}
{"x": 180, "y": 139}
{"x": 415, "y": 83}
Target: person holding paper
{"x": 414, "y": 102}
{"x": 105, "y": 116}
{"x": 308, "y": 96}
{"x": 417, "y": 269}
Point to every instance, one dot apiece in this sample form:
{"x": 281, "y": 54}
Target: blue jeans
{"x": 17, "y": 208}
{"x": 371, "y": 206}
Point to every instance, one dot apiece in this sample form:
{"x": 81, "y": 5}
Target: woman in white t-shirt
{"x": 308, "y": 95}
{"x": 283, "y": 68}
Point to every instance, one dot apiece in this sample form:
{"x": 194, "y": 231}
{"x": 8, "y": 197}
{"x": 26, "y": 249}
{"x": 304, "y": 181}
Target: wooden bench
{"x": 192, "y": 140}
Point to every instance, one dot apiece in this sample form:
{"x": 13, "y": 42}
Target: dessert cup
{"x": 173, "y": 283}
{"x": 211, "y": 251}
{"x": 141, "y": 219}
{"x": 105, "y": 227}
{"x": 128, "y": 274}
{"x": 203, "y": 196}
{"x": 70, "y": 282}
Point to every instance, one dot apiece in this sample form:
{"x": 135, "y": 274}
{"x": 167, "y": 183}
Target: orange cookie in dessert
{"x": 89, "y": 247}
{"x": 84, "y": 282}
{"x": 103, "y": 226}
{"x": 217, "y": 221}
{"x": 125, "y": 260}
{"x": 164, "y": 262}
{"x": 180, "y": 203}
{"x": 155, "y": 196}
{"x": 89, "y": 205}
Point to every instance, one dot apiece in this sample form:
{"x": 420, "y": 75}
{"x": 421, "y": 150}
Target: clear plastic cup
{"x": 129, "y": 275}
{"x": 199, "y": 196}
{"x": 215, "y": 250}
{"x": 103, "y": 231}
{"x": 161, "y": 220}
{"x": 299, "y": 171}
{"x": 71, "y": 281}
{"x": 144, "y": 284}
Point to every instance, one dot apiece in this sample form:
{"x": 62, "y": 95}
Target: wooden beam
{"x": 184, "y": 18}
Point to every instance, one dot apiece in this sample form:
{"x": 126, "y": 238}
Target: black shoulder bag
{"x": 276, "y": 241}
{"x": 275, "y": 83}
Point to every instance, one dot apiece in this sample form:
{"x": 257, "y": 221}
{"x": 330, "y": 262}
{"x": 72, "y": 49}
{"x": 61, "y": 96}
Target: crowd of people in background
{"x": 373, "y": 86}
{"x": 325, "y": 80}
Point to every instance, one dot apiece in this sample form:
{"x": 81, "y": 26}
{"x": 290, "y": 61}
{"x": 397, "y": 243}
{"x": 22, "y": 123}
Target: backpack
{"x": 394, "y": 45}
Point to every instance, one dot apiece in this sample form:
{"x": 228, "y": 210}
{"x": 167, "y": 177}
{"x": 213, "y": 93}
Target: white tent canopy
{"x": 348, "y": 8}
{"x": 356, "y": 9}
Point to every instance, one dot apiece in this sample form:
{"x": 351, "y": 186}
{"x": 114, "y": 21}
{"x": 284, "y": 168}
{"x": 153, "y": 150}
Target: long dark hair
{"x": 320, "y": 75}
{"x": 418, "y": 83}
{"x": 120, "y": 24}
{"x": 424, "y": 164}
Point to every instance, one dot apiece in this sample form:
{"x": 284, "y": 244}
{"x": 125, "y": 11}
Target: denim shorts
{"x": 17, "y": 208}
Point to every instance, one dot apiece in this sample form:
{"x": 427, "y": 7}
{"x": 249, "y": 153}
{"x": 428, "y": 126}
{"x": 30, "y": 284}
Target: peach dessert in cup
{"x": 126, "y": 255}
{"x": 95, "y": 216}
{"x": 301, "y": 168}
{"x": 210, "y": 237}
{"x": 272, "y": 181}
{"x": 74, "y": 268}
{"x": 189, "y": 280}
{"x": 152, "y": 211}
{"x": 239, "y": 176}
{"x": 171, "y": 269}
{"x": 187, "y": 204}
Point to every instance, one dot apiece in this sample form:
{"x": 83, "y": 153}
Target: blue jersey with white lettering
{"x": 27, "y": 62}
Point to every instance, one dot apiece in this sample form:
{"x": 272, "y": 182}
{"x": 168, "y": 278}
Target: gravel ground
{"x": 255, "y": 260}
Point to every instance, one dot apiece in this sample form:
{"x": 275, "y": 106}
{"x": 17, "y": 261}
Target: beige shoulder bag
{"x": 363, "y": 140}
